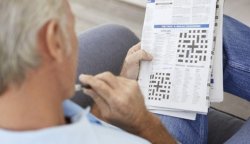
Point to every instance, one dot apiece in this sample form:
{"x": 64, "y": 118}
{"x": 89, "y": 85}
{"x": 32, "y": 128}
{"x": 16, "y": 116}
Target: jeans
{"x": 236, "y": 58}
{"x": 237, "y": 69}
{"x": 109, "y": 45}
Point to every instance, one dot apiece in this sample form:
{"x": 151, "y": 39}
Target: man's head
{"x": 37, "y": 37}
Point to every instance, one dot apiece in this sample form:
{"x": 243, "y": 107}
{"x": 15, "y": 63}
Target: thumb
{"x": 142, "y": 55}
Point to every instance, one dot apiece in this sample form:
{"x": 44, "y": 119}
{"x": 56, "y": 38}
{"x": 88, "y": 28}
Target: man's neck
{"x": 31, "y": 107}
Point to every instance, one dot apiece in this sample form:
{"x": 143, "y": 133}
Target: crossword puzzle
{"x": 159, "y": 86}
{"x": 192, "y": 46}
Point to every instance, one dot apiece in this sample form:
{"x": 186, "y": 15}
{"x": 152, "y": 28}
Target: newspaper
{"x": 185, "y": 39}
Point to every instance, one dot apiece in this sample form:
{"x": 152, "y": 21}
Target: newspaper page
{"x": 180, "y": 36}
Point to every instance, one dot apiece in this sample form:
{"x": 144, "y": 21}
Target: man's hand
{"x": 131, "y": 64}
{"x": 119, "y": 100}
{"x": 121, "y": 103}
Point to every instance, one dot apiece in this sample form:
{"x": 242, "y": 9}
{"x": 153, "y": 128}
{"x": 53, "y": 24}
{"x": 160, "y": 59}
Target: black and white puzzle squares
{"x": 192, "y": 46}
{"x": 159, "y": 86}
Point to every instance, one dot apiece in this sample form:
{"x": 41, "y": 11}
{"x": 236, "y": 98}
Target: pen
{"x": 79, "y": 87}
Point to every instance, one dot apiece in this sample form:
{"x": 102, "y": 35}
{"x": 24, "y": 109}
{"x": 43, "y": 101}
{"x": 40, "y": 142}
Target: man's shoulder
{"x": 100, "y": 131}
{"x": 107, "y": 134}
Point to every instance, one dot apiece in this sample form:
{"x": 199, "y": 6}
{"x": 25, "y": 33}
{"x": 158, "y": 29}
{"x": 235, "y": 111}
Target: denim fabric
{"x": 236, "y": 39}
{"x": 236, "y": 58}
{"x": 237, "y": 68}
{"x": 187, "y": 131}
{"x": 236, "y": 71}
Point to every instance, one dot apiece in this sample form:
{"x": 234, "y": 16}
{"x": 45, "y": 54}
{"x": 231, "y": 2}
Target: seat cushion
{"x": 242, "y": 136}
{"x": 222, "y": 126}
{"x": 101, "y": 49}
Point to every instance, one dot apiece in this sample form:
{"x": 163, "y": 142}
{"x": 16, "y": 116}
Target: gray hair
{"x": 20, "y": 22}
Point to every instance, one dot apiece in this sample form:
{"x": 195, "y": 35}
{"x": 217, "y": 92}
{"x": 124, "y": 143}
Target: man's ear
{"x": 54, "y": 41}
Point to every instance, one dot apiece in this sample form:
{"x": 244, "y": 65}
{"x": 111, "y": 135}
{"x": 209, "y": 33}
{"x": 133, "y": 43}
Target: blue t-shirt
{"x": 84, "y": 129}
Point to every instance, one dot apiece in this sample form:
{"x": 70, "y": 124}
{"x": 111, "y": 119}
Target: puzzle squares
{"x": 192, "y": 46}
{"x": 159, "y": 87}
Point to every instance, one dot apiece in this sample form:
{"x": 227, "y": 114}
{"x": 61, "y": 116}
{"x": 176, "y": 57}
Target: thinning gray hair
{"x": 20, "y": 22}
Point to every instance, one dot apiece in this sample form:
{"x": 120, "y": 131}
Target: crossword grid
{"x": 159, "y": 86}
{"x": 192, "y": 46}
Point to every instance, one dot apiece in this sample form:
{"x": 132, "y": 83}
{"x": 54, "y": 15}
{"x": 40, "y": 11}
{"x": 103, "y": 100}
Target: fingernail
{"x": 81, "y": 77}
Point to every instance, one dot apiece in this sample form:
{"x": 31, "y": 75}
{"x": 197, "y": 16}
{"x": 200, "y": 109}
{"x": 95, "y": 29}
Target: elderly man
{"x": 38, "y": 56}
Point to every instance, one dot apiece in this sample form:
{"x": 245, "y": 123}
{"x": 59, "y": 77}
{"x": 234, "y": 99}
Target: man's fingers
{"x": 97, "y": 85}
{"x": 134, "y": 49}
{"x": 137, "y": 46}
{"x": 109, "y": 78}
{"x": 100, "y": 102}
{"x": 142, "y": 55}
